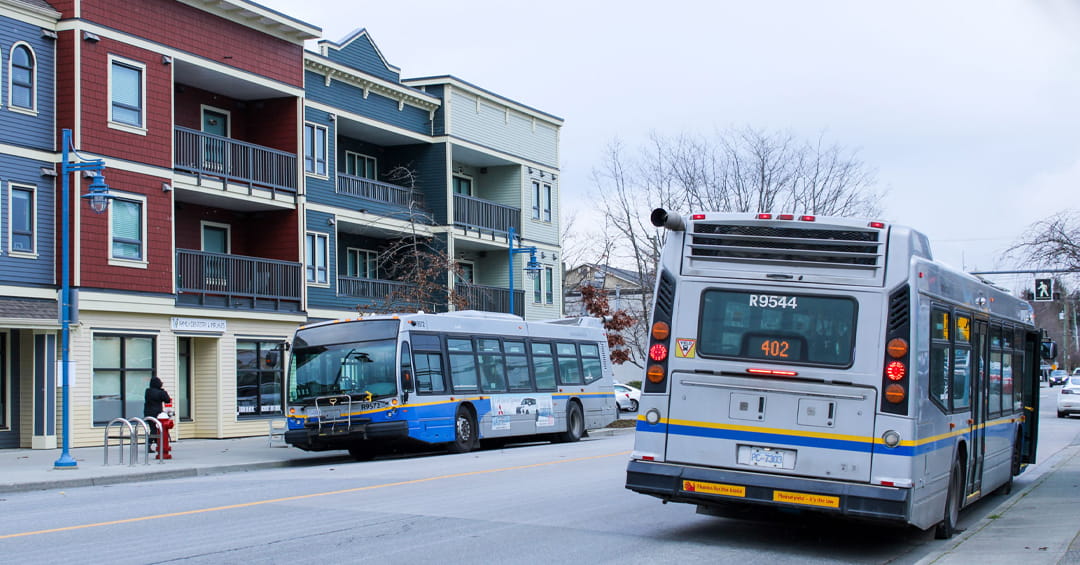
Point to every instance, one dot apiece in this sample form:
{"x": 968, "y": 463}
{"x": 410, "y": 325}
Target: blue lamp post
{"x": 532, "y": 268}
{"x": 99, "y": 202}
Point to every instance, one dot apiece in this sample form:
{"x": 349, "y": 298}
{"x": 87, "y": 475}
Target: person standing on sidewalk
{"x": 154, "y": 404}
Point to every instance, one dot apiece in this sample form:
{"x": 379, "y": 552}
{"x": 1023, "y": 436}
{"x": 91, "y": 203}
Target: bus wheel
{"x": 947, "y": 527}
{"x": 575, "y": 424}
{"x": 362, "y": 452}
{"x": 464, "y": 431}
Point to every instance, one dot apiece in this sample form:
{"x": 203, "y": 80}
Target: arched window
{"x": 22, "y": 78}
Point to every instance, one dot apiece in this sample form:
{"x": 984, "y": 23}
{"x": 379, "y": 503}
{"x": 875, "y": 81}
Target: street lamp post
{"x": 532, "y": 268}
{"x": 99, "y": 202}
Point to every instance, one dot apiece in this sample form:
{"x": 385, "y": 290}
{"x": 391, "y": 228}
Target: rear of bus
{"x": 767, "y": 363}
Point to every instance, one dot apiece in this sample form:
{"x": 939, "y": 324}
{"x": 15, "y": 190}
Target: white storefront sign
{"x": 198, "y": 325}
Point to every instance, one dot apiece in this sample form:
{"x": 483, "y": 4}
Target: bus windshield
{"x": 818, "y": 330}
{"x": 357, "y": 358}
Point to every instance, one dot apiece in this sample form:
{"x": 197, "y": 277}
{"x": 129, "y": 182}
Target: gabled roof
{"x": 33, "y": 9}
{"x": 358, "y": 50}
{"x": 484, "y": 93}
{"x": 623, "y": 274}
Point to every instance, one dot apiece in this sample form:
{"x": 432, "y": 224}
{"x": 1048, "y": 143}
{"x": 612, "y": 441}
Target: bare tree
{"x": 418, "y": 261}
{"x": 1050, "y": 243}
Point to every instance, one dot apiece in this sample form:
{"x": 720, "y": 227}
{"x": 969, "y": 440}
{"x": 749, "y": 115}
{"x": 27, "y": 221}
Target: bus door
{"x": 979, "y": 400}
{"x": 1030, "y": 377}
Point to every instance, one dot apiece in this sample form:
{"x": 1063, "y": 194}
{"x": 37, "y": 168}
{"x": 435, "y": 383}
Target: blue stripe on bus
{"x": 810, "y": 439}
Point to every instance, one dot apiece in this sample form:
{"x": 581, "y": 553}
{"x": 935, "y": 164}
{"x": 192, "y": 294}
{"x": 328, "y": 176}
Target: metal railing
{"x": 491, "y": 298}
{"x": 378, "y": 191}
{"x": 236, "y": 281}
{"x": 234, "y": 161}
{"x": 369, "y": 288}
{"x": 485, "y": 216}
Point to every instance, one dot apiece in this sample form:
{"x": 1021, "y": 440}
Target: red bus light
{"x": 807, "y": 218}
{"x": 764, "y": 216}
{"x": 878, "y": 225}
{"x": 786, "y": 217}
{"x": 697, "y": 217}
{"x": 658, "y": 352}
{"x": 895, "y": 371}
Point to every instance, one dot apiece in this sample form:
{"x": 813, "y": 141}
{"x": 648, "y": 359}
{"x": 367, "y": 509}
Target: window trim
{"x": 122, "y": 370}
{"x": 280, "y": 371}
{"x": 453, "y": 187}
{"x": 141, "y": 68}
{"x": 32, "y": 110}
{"x": 142, "y": 262}
{"x": 360, "y": 251}
{"x": 203, "y": 108}
{"x": 549, "y": 282}
{"x": 536, "y": 200}
{"x": 547, "y": 203}
{"x": 472, "y": 271}
{"x": 326, "y": 260}
{"x": 33, "y": 253}
{"x": 208, "y": 224}
{"x": 316, "y": 128}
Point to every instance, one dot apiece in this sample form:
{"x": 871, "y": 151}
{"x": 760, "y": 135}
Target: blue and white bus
{"x": 452, "y": 379}
{"x": 831, "y": 365}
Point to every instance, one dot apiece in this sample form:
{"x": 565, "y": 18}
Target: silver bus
{"x": 830, "y": 365}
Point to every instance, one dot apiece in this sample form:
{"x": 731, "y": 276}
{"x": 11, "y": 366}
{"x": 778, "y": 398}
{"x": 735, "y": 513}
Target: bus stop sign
{"x": 1044, "y": 290}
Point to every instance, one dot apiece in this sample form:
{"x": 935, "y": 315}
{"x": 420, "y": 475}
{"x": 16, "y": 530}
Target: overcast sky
{"x": 968, "y": 110}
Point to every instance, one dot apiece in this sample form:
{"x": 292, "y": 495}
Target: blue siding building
{"x": 388, "y": 159}
{"x": 28, "y": 181}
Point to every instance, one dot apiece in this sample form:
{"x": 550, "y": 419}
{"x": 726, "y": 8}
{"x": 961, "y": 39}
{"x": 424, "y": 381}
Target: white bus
{"x": 451, "y": 379}
{"x": 832, "y": 365}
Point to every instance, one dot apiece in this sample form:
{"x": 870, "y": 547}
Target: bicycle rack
{"x": 122, "y": 425}
{"x": 337, "y": 424}
{"x": 144, "y": 425}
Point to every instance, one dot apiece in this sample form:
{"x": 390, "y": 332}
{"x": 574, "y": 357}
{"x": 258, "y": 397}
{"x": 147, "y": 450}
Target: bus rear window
{"x": 785, "y": 328}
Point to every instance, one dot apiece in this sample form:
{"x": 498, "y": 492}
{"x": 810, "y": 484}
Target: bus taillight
{"x": 895, "y": 371}
{"x": 658, "y": 352}
{"x": 660, "y": 331}
{"x": 655, "y": 373}
{"x": 894, "y": 377}
{"x": 895, "y": 393}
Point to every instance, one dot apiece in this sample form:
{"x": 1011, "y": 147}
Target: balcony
{"x": 372, "y": 289}
{"x": 378, "y": 191}
{"x": 477, "y": 214}
{"x": 218, "y": 280}
{"x": 491, "y": 298}
{"x": 236, "y": 162}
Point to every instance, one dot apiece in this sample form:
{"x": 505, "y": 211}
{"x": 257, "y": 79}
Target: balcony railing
{"x": 235, "y": 281}
{"x": 235, "y": 161}
{"x": 374, "y": 289}
{"x": 378, "y": 191}
{"x": 491, "y": 298}
{"x": 485, "y": 216}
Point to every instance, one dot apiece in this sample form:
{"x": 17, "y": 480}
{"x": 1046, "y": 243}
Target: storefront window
{"x": 259, "y": 378}
{"x": 123, "y": 366}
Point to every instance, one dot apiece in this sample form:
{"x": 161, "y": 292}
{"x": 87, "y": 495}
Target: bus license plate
{"x": 766, "y": 457}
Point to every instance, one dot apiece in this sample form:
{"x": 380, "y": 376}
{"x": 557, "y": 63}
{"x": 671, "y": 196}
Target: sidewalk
{"x": 24, "y": 470}
{"x": 1038, "y": 525}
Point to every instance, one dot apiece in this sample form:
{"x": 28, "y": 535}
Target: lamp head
{"x": 533, "y": 267}
{"x": 99, "y": 194}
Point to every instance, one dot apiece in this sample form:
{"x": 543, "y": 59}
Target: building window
{"x": 549, "y": 283}
{"x": 22, "y": 75}
{"x": 127, "y": 93}
{"x": 536, "y": 200}
{"x": 316, "y": 258}
{"x": 362, "y": 263}
{"x": 126, "y": 227}
{"x": 547, "y": 202}
{"x": 361, "y": 166}
{"x": 466, "y": 272}
{"x": 123, "y": 366}
{"x": 23, "y": 220}
{"x": 462, "y": 185}
{"x": 259, "y": 378}
{"x": 538, "y": 291}
{"x": 315, "y": 149}
{"x": 182, "y": 396}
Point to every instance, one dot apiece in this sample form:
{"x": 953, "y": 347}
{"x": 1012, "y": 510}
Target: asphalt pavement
{"x": 1038, "y": 524}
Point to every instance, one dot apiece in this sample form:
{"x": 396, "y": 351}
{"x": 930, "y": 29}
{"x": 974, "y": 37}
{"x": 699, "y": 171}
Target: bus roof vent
{"x": 814, "y": 245}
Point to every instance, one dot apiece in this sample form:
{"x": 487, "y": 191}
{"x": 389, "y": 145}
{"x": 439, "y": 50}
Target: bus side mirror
{"x": 406, "y": 384}
{"x": 1049, "y": 350}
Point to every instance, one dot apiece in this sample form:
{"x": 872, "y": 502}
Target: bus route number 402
{"x": 773, "y": 301}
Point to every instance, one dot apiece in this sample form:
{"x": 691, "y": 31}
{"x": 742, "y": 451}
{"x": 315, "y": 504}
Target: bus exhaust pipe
{"x": 661, "y": 218}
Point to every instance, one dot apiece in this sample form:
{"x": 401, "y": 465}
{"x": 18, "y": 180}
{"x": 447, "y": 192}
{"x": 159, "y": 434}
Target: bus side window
{"x": 462, "y": 364}
{"x": 590, "y": 363}
{"x": 517, "y": 366}
{"x": 492, "y": 370}
{"x": 569, "y": 367}
{"x": 427, "y": 357}
{"x": 544, "y": 364}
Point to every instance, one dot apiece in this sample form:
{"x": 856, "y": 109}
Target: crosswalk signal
{"x": 1044, "y": 290}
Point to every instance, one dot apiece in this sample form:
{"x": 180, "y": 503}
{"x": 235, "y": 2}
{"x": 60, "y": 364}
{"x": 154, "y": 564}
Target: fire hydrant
{"x": 165, "y": 422}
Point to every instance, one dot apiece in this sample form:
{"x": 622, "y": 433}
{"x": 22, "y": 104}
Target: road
{"x": 540, "y": 503}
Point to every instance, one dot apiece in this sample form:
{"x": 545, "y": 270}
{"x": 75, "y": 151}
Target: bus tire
{"x": 575, "y": 425}
{"x": 947, "y": 527}
{"x": 362, "y": 452}
{"x": 464, "y": 431}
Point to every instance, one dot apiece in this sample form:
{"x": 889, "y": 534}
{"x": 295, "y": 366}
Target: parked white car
{"x": 627, "y": 397}
{"x": 1068, "y": 400}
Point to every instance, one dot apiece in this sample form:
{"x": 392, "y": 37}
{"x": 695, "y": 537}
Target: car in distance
{"x": 1068, "y": 401}
{"x": 1058, "y": 377}
{"x": 627, "y": 397}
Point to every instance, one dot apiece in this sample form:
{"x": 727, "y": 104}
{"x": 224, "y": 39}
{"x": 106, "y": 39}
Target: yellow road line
{"x": 304, "y": 496}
